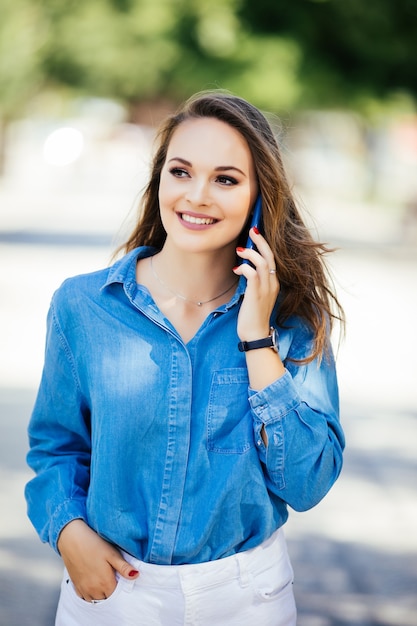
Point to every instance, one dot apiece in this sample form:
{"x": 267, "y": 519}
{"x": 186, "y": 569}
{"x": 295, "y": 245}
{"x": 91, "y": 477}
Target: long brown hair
{"x": 306, "y": 286}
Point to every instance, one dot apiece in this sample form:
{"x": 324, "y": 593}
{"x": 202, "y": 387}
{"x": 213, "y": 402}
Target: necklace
{"x": 178, "y": 295}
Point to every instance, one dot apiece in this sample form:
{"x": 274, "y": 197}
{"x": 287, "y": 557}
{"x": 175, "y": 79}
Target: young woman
{"x": 188, "y": 398}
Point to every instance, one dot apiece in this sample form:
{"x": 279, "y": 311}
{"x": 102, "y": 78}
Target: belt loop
{"x": 243, "y": 571}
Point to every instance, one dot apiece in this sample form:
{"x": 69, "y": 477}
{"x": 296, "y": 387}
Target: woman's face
{"x": 207, "y": 187}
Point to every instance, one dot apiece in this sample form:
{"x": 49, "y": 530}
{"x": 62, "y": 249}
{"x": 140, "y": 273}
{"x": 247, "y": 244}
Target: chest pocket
{"x": 229, "y": 419}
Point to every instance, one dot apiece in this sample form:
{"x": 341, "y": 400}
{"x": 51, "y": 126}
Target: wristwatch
{"x": 269, "y": 342}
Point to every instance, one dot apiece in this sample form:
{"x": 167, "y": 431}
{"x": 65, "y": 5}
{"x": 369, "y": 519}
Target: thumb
{"x": 124, "y": 568}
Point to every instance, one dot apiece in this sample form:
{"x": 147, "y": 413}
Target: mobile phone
{"x": 255, "y": 221}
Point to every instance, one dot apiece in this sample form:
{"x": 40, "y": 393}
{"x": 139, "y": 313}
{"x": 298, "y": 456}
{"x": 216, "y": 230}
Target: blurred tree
{"x": 349, "y": 48}
{"x": 119, "y": 48}
{"x": 147, "y": 49}
{"x": 21, "y": 39}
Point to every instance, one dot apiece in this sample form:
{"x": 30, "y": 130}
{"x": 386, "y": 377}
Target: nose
{"x": 198, "y": 193}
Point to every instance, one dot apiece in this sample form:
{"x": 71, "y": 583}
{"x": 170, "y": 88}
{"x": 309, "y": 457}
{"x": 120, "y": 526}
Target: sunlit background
{"x": 83, "y": 85}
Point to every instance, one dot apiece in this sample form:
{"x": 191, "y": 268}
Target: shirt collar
{"x": 124, "y": 270}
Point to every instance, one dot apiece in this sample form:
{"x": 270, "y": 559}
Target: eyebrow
{"x": 220, "y": 168}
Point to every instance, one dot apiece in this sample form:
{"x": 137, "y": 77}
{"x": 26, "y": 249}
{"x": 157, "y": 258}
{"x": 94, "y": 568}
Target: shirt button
{"x": 259, "y": 442}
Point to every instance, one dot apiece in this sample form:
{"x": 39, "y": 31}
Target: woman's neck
{"x": 197, "y": 278}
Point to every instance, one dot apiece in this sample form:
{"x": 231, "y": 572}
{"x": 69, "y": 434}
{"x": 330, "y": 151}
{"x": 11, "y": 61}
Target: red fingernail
{"x": 239, "y": 249}
{"x": 256, "y": 230}
{"x": 133, "y": 572}
{"x": 236, "y": 268}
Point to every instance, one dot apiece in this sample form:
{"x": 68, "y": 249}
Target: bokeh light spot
{"x": 63, "y": 146}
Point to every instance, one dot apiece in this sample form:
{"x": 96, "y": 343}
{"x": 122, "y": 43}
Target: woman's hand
{"x": 261, "y": 291}
{"x": 264, "y": 365}
{"x": 91, "y": 561}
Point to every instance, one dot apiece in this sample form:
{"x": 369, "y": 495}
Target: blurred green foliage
{"x": 279, "y": 54}
{"x": 348, "y": 48}
{"x": 21, "y": 72}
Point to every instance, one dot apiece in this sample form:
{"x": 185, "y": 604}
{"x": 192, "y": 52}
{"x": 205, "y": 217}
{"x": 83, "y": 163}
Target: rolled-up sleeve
{"x": 305, "y": 441}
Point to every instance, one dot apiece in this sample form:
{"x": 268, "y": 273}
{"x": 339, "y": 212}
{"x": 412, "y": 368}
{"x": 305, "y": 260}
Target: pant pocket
{"x": 273, "y": 582}
{"x": 74, "y": 611}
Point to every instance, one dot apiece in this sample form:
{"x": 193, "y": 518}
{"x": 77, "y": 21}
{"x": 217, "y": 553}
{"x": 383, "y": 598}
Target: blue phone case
{"x": 255, "y": 221}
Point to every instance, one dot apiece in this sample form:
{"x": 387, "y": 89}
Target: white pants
{"x": 253, "y": 588}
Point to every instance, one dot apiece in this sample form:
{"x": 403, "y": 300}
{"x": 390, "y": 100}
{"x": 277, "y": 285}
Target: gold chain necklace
{"x": 178, "y": 295}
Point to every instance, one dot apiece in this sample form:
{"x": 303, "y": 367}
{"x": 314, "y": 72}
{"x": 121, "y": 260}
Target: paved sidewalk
{"x": 29, "y": 571}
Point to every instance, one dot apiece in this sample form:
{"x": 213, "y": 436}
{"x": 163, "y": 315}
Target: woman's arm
{"x": 60, "y": 441}
{"x": 60, "y": 454}
{"x": 302, "y": 448}
{"x": 296, "y": 409}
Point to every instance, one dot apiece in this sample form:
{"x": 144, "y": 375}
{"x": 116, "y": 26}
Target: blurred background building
{"x": 83, "y": 85}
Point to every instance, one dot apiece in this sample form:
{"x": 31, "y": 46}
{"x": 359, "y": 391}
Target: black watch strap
{"x": 268, "y": 342}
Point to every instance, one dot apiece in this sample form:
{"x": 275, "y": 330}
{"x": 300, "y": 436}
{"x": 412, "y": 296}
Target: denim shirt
{"x": 155, "y": 443}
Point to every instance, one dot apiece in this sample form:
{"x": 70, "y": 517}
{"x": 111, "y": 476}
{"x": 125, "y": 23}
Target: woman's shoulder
{"x": 91, "y": 285}
{"x": 77, "y": 293}
{"x": 81, "y": 283}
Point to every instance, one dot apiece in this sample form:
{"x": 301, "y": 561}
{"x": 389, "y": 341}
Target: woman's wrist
{"x": 254, "y": 333}
{"x": 70, "y": 530}
{"x": 264, "y": 367}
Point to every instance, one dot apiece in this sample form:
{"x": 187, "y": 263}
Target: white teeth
{"x": 197, "y": 220}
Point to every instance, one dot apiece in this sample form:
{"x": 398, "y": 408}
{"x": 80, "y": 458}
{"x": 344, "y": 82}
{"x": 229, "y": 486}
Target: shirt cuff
{"x": 273, "y": 402}
{"x": 66, "y": 513}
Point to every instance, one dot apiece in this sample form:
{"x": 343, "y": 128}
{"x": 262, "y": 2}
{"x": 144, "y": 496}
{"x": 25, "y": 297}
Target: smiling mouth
{"x": 200, "y": 221}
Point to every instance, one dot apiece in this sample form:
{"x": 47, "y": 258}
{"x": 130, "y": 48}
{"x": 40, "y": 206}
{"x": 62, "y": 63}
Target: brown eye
{"x": 227, "y": 180}
{"x": 178, "y": 172}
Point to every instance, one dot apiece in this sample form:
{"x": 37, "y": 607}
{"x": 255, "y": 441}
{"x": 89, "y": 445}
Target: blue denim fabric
{"x": 156, "y": 444}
